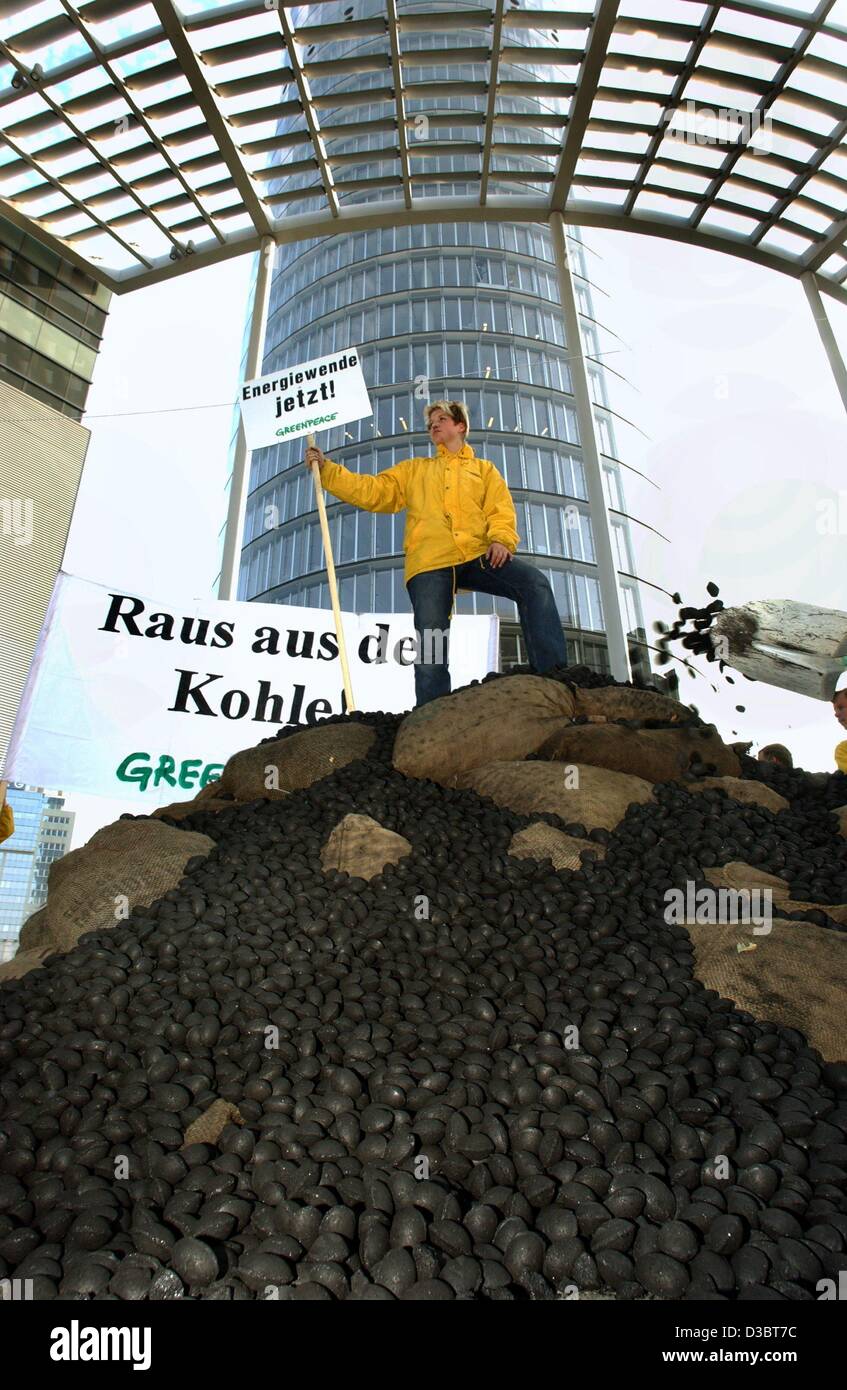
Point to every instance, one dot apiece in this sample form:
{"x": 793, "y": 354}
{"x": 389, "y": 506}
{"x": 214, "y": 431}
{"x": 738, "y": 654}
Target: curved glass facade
{"x": 52, "y": 317}
{"x": 457, "y": 310}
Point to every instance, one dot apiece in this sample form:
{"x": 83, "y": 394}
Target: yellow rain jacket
{"x": 7, "y": 821}
{"x": 456, "y": 505}
{"x": 841, "y": 756}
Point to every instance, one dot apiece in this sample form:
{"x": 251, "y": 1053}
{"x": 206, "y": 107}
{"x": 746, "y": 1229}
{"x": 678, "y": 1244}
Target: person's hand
{"x": 314, "y": 455}
{"x": 497, "y": 555}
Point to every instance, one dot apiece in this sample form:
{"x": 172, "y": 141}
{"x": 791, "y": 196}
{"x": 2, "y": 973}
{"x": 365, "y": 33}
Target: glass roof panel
{"x": 756, "y": 163}
{"x": 804, "y": 7}
{"x": 836, "y": 266}
{"x": 826, "y": 84}
{"x": 639, "y": 76}
{"x": 805, "y": 116}
{"x": 780, "y": 239}
{"x": 664, "y": 128}
{"x": 613, "y": 198}
{"x": 734, "y": 191}
{"x": 721, "y": 96}
{"x": 719, "y": 54}
{"x": 773, "y": 141}
{"x": 137, "y": 20}
{"x": 644, "y": 44}
{"x": 682, "y": 180}
{"x": 734, "y": 223}
{"x": 674, "y": 11}
{"x": 605, "y": 169}
{"x": 827, "y": 191}
{"x": 829, "y": 45}
{"x": 756, "y": 26}
{"x": 666, "y": 206}
{"x": 685, "y": 146}
{"x": 810, "y": 216}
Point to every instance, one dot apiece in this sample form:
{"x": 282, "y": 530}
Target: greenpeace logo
{"x": 308, "y": 424}
{"x": 75, "y": 1343}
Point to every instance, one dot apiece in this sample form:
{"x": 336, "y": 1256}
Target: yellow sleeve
{"x": 374, "y": 492}
{"x": 499, "y": 510}
{"x": 7, "y": 821}
{"x": 841, "y": 756}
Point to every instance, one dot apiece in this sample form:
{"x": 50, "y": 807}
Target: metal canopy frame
{"x": 139, "y": 153}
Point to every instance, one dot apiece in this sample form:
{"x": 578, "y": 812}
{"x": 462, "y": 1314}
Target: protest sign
{"x": 146, "y": 699}
{"x": 316, "y": 395}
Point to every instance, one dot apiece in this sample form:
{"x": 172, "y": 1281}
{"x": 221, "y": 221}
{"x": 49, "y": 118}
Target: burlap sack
{"x": 24, "y": 961}
{"x": 506, "y": 719}
{"x": 796, "y": 976}
{"x": 737, "y": 874}
{"x": 599, "y": 798}
{"x": 742, "y": 789}
{"x": 178, "y": 810}
{"x": 657, "y": 755}
{"x": 133, "y": 860}
{"x": 208, "y": 1127}
{"x": 360, "y": 846}
{"x": 35, "y": 931}
{"x": 210, "y": 792}
{"x": 620, "y": 702}
{"x": 288, "y": 764}
{"x": 542, "y": 841}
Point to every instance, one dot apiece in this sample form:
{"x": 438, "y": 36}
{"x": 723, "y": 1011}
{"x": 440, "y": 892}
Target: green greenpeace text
{"x": 140, "y": 767}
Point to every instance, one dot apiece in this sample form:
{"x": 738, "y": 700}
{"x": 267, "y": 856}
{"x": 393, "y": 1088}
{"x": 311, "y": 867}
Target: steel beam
{"x": 827, "y": 337}
{"x": 315, "y": 133}
{"x": 397, "y": 71}
{"x": 586, "y": 89}
{"x": 214, "y": 118}
{"x": 607, "y": 573}
{"x": 228, "y": 586}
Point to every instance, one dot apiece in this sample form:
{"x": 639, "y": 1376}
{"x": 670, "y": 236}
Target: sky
{"x": 736, "y": 421}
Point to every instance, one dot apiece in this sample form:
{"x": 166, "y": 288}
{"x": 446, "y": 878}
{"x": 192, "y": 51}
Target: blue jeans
{"x": 431, "y": 594}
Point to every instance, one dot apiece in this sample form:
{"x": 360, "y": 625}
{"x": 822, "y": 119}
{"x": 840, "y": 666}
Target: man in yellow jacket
{"x": 461, "y": 533}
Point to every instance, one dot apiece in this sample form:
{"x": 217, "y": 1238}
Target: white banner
{"x": 317, "y": 395}
{"x": 132, "y": 697}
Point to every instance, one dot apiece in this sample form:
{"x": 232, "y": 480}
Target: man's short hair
{"x": 457, "y": 410}
{"x": 778, "y": 753}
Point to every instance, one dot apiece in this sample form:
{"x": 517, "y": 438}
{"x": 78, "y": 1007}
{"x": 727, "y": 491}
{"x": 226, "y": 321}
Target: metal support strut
{"x": 228, "y": 585}
{"x": 824, "y": 327}
{"x": 600, "y": 525}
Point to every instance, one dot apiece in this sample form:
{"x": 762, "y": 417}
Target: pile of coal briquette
{"x": 425, "y": 1128}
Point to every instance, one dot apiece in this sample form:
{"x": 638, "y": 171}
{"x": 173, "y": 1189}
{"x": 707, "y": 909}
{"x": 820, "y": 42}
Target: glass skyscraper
{"x": 52, "y": 317}
{"x": 43, "y": 830}
{"x": 466, "y": 310}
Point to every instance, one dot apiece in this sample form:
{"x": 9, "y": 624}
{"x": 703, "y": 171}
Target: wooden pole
{"x": 330, "y": 574}
{"x": 795, "y": 646}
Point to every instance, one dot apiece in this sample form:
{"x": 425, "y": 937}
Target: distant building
{"x": 52, "y": 317}
{"x": 43, "y": 831}
{"x": 497, "y": 341}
